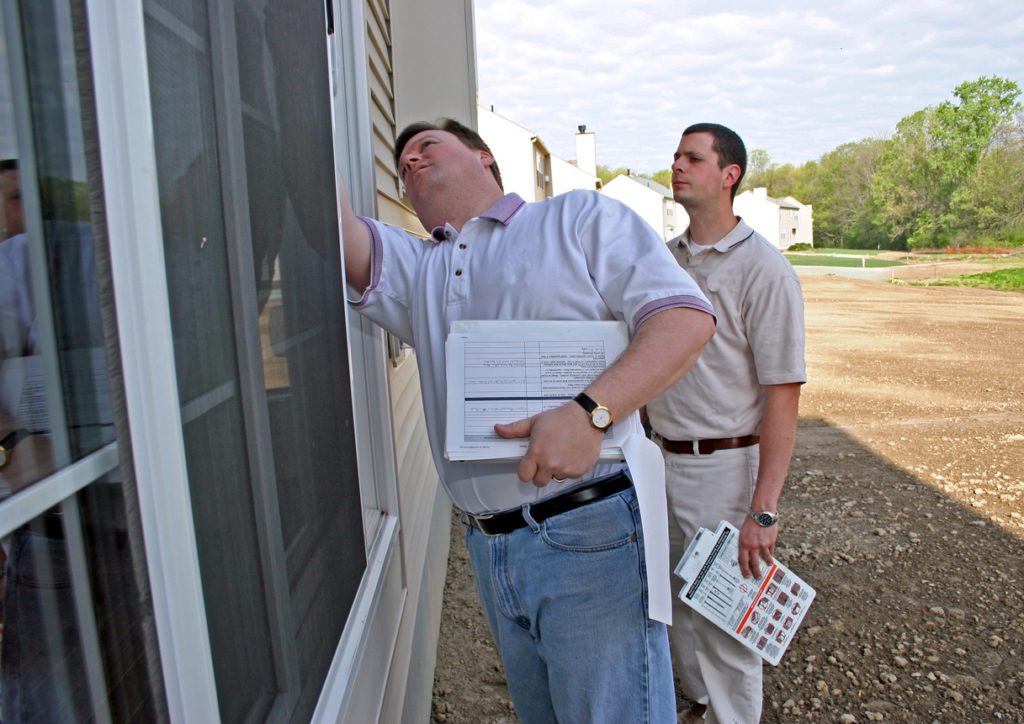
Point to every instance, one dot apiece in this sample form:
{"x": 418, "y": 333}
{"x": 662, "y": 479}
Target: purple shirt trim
{"x": 376, "y": 257}
{"x": 507, "y": 207}
{"x": 660, "y": 305}
{"x": 502, "y": 212}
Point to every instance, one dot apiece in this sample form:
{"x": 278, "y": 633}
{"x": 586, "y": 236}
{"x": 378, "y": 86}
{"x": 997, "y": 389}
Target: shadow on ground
{"x": 919, "y": 614}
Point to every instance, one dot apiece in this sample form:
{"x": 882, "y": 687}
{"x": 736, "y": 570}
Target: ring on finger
{"x": 557, "y": 479}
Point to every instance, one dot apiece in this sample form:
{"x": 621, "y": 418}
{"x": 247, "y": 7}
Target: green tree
{"x": 922, "y": 184}
{"x": 663, "y": 177}
{"x": 992, "y": 201}
{"x": 839, "y": 185}
{"x": 607, "y": 173}
{"x": 759, "y": 171}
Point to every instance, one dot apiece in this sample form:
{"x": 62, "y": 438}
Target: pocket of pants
{"x": 599, "y": 526}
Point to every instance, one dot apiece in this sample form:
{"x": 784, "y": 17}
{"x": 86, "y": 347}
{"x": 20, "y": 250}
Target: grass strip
{"x": 822, "y": 260}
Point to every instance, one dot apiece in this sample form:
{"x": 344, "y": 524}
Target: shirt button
{"x": 458, "y": 272}
{"x": 462, "y": 246}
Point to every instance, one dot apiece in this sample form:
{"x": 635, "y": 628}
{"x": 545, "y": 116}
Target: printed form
{"x": 503, "y": 371}
{"x": 762, "y": 614}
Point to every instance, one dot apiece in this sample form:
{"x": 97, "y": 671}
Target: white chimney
{"x": 586, "y": 151}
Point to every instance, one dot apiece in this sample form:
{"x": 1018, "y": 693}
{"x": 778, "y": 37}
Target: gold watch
{"x": 8, "y": 442}
{"x": 600, "y": 416}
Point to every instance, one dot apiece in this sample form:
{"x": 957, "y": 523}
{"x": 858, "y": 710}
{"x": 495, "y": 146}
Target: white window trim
{"x": 128, "y": 158}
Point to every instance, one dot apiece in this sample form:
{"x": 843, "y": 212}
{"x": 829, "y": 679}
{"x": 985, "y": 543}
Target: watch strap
{"x": 14, "y": 437}
{"x": 586, "y": 402}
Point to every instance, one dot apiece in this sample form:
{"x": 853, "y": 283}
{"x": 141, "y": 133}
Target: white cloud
{"x": 796, "y": 81}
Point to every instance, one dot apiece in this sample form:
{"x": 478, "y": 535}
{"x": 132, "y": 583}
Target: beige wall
{"x": 409, "y": 80}
{"x": 435, "y": 60}
{"x": 514, "y": 150}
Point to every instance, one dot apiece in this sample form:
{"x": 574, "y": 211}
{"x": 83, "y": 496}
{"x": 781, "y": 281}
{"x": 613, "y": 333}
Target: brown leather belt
{"x": 502, "y": 523}
{"x": 706, "y": 447}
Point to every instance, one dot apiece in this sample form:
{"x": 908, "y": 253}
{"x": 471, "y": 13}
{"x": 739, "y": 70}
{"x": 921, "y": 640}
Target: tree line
{"x": 950, "y": 175}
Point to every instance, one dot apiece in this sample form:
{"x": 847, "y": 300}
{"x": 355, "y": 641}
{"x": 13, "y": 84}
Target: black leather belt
{"x": 706, "y": 447}
{"x": 502, "y": 523}
{"x": 49, "y": 525}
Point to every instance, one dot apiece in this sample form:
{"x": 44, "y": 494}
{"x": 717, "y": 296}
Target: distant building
{"x": 527, "y": 167}
{"x": 650, "y": 200}
{"x": 783, "y": 222}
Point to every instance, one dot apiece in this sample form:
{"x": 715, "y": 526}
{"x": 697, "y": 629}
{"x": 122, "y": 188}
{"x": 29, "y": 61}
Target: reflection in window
{"x": 78, "y": 642}
{"x": 242, "y": 127}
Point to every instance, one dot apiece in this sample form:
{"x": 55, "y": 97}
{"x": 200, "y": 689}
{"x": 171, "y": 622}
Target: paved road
{"x": 884, "y": 273}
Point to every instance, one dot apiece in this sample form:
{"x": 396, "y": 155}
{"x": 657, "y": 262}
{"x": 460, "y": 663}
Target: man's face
{"x": 437, "y": 161}
{"x": 696, "y": 177}
{"x": 10, "y": 196}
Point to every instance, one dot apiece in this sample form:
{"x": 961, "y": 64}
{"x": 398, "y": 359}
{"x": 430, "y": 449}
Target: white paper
{"x": 762, "y": 614}
{"x": 504, "y": 371}
{"x": 647, "y": 469}
{"x": 23, "y": 392}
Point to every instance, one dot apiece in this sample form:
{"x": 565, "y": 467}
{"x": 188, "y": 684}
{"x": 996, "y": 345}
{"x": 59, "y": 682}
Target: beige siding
{"x": 423, "y": 506}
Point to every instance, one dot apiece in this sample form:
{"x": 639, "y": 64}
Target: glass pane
{"x": 72, "y": 607}
{"x": 283, "y": 80}
{"x": 253, "y": 265}
{"x": 43, "y": 665}
{"x": 54, "y": 394}
{"x": 196, "y": 255}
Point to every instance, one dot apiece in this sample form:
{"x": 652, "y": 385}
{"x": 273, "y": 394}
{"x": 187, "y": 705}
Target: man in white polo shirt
{"x": 727, "y": 428}
{"x": 558, "y": 566}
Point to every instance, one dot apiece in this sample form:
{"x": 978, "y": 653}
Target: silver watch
{"x": 765, "y": 518}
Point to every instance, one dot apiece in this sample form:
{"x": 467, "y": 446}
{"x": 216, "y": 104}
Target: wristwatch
{"x": 8, "y": 442}
{"x": 765, "y": 518}
{"x": 600, "y": 416}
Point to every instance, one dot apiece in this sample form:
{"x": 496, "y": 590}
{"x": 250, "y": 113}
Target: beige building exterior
{"x": 650, "y": 200}
{"x": 528, "y": 168}
{"x": 783, "y": 222}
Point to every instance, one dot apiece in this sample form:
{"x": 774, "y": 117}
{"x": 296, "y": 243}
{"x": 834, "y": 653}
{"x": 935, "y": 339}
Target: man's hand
{"x": 563, "y": 444}
{"x": 756, "y": 544}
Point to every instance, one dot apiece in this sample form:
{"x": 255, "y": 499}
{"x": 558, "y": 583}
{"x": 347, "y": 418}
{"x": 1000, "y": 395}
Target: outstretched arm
{"x": 356, "y": 242}
{"x": 563, "y": 443}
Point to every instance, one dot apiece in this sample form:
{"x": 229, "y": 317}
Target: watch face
{"x": 764, "y": 519}
{"x": 601, "y": 418}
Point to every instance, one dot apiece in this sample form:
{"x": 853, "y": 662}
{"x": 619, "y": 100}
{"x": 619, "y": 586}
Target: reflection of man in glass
{"x": 41, "y": 654}
{"x": 10, "y": 199}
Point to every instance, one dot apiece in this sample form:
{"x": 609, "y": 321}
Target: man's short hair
{"x": 727, "y": 144}
{"x": 467, "y": 135}
{"x": 8, "y": 164}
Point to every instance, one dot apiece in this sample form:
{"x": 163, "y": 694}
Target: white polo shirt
{"x": 759, "y": 339}
{"x": 578, "y": 256}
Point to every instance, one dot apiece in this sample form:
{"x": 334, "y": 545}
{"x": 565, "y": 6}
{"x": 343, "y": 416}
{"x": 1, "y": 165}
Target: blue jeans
{"x": 43, "y": 672}
{"x": 566, "y": 600}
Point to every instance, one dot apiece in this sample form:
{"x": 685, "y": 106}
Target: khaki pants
{"x": 713, "y": 668}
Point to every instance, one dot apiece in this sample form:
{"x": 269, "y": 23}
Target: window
{"x": 241, "y": 120}
{"x": 78, "y": 640}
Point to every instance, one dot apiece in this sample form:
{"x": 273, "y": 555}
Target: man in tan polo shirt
{"x": 727, "y": 428}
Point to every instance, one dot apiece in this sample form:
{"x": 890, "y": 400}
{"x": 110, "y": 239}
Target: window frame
{"x": 354, "y": 681}
{"x": 128, "y": 158}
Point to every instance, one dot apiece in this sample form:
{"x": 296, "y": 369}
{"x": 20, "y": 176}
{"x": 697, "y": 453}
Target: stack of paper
{"x": 504, "y": 371}
{"x": 761, "y": 614}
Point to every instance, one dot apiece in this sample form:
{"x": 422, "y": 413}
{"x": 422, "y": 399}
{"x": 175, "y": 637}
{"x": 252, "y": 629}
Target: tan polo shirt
{"x": 759, "y": 339}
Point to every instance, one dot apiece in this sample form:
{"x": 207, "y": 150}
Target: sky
{"x": 796, "y": 79}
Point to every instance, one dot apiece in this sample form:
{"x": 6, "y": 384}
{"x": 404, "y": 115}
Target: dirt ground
{"x": 904, "y": 508}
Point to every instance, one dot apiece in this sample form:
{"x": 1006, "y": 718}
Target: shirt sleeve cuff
{"x": 376, "y": 258}
{"x": 660, "y": 305}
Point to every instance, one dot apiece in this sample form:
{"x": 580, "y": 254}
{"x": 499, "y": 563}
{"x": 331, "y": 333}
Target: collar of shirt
{"x": 502, "y": 212}
{"x": 740, "y": 233}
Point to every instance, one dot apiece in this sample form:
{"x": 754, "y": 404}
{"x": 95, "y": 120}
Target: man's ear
{"x": 487, "y": 159}
{"x": 731, "y": 175}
